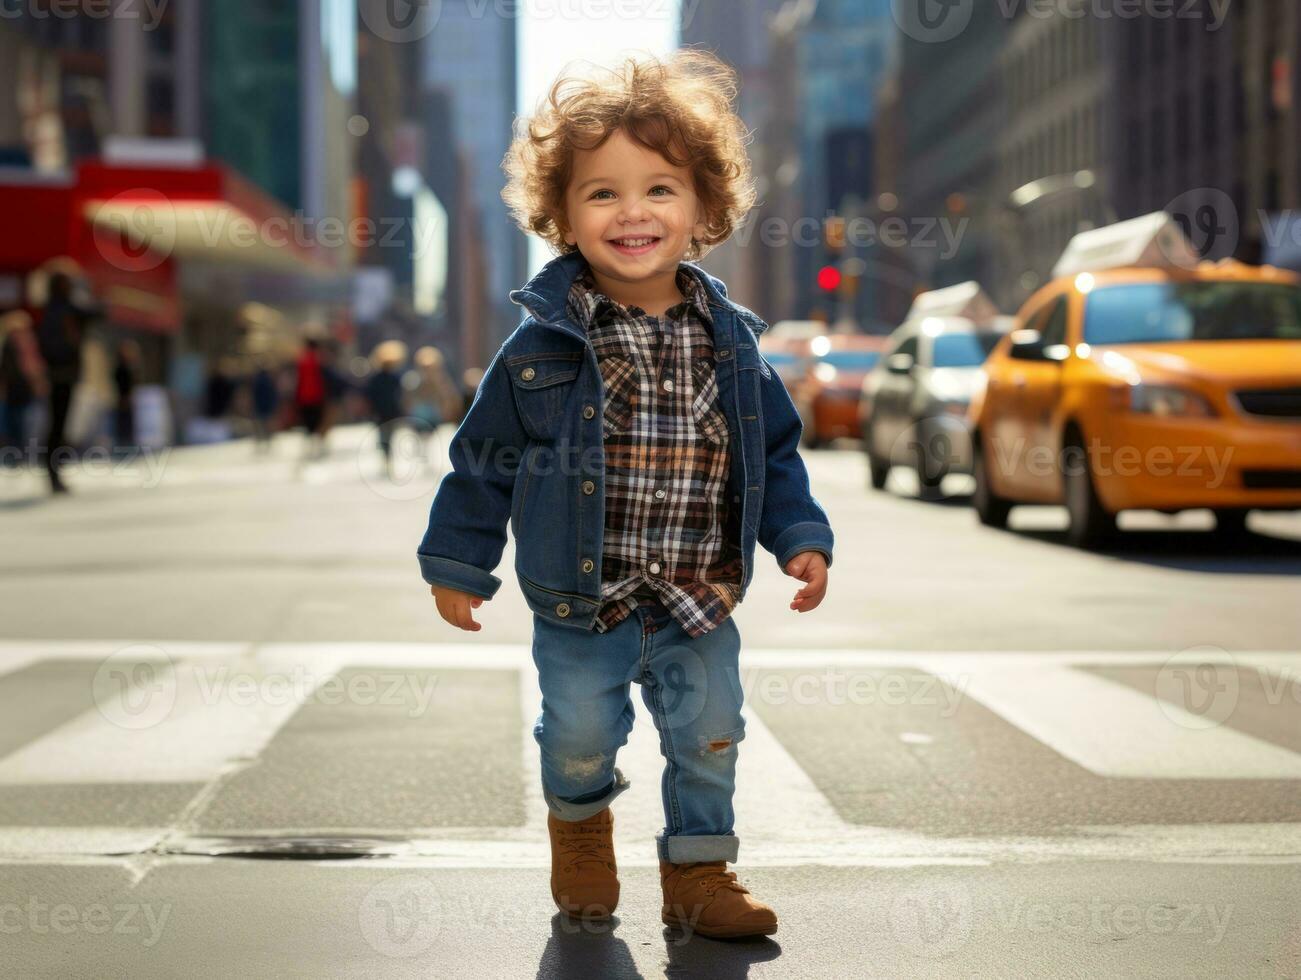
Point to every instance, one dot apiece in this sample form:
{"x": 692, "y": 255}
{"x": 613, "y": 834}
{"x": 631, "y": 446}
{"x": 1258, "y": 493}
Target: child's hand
{"x": 454, "y": 606}
{"x": 810, "y": 567}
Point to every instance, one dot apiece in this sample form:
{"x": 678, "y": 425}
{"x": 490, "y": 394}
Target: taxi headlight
{"x": 1169, "y": 400}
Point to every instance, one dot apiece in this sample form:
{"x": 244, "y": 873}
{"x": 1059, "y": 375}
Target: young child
{"x": 639, "y": 446}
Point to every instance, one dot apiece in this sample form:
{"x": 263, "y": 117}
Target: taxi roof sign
{"x": 966, "y": 299}
{"x": 1151, "y": 241}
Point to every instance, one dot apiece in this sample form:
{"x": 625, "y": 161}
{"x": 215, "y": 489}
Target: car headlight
{"x": 1169, "y": 400}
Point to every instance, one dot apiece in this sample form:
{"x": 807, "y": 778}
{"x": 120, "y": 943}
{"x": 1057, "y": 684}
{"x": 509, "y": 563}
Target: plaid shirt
{"x": 671, "y": 541}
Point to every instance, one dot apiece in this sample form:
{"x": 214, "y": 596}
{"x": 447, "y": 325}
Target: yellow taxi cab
{"x": 1143, "y": 378}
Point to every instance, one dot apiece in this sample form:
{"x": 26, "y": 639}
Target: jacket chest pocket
{"x": 620, "y": 388}
{"x": 543, "y": 384}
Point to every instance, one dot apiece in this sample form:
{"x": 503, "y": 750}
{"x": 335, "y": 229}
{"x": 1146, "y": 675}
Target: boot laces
{"x": 587, "y": 844}
{"x": 713, "y": 876}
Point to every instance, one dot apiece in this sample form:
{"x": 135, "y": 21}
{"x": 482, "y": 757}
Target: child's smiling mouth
{"x": 634, "y": 244}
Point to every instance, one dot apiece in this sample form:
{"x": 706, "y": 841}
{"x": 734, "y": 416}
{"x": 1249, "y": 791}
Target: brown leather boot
{"x": 704, "y": 897}
{"x": 584, "y": 876}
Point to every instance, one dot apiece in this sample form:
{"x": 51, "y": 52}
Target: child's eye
{"x": 602, "y": 191}
{"x": 661, "y": 187}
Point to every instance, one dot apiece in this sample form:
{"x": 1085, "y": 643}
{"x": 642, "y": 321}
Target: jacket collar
{"x": 587, "y": 304}
{"x": 546, "y": 294}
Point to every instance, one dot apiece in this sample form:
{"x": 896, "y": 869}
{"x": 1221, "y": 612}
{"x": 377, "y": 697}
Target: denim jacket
{"x": 529, "y": 451}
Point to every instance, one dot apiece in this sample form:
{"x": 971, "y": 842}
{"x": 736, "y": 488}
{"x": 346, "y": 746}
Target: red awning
{"x": 128, "y": 226}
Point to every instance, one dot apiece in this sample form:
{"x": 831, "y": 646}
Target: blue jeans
{"x": 692, "y": 688}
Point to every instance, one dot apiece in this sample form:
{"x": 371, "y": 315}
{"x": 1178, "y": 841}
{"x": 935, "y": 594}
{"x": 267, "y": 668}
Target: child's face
{"x": 623, "y": 190}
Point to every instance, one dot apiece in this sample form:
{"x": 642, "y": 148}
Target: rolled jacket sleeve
{"x": 466, "y": 534}
{"x": 792, "y": 520}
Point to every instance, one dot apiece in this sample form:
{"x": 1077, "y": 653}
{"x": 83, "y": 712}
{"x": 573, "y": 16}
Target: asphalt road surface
{"x": 236, "y": 739}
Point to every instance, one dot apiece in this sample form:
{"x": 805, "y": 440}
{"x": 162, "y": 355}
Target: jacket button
{"x": 588, "y": 565}
{"x": 589, "y": 487}
{"x": 588, "y": 411}
{"x": 562, "y": 610}
{"x": 528, "y": 374}
{"x": 725, "y": 353}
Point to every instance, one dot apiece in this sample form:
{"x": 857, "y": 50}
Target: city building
{"x": 470, "y": 58}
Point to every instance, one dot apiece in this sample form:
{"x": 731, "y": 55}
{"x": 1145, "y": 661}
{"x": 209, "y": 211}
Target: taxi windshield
{"x": 1173, "y": 311}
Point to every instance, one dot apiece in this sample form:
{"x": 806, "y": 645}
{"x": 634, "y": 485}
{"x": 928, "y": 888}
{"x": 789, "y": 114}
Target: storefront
{"x": 174, "y": 257}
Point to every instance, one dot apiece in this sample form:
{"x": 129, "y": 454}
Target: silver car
{"x": 913, "y": 407}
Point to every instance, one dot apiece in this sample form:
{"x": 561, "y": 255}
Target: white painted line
{"x": 210, "y": 715}
{"x": 1115, "y": 731}
{"x": 277, "y": 656}
{"x": 861, "y": 847}
{"x": 25, "y": 651}
{"x": 33, "y": 842}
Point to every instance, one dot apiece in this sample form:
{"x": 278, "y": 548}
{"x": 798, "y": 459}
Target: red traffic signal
{"x": 828, "y": 278}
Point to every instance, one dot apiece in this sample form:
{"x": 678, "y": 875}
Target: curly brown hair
{"x": 680, "y": 107}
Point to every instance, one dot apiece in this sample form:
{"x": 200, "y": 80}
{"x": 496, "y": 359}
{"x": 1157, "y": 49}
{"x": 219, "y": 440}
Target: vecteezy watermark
{"x": 400, "y": 917}
{"x": 148, "y": 12}
{"x": 937, "y": 21}
{"x": 365, "y": 688}
{"x": 135, "y": 231}
{"x": 42, "y": 918}
{"x": 833, "y": 686}
{"x": 132, "y": 465}
{"x": 1100, "y": 918}
{"x": 406, "y": 21}
{"x": 1209, "y": 220}
{"x": 932, "y": 21}
{"x": 412, "y": 466}
{"x": 1198, "y": 688}
{"x": 918, "y": 232}
{"x": 404, "y": 914}
{"x": 1213, "y": 12}
{"x": 138, "y": 687}
{"x": 135, "y": 687}
{"x": 1209, "y": 463}
{"x": 932, "y": 920}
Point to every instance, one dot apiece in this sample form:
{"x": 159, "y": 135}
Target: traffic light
{"x": 828, "y": 278}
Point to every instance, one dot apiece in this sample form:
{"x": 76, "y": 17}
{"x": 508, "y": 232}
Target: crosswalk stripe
{"x": 1116, "y": 731}
{"x": 209, "y": 716}
{"x": 782, "y": 817}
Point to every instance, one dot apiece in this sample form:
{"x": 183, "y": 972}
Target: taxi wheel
{"x": 992, "y": 509}
{"x": 1091, "y": 524}
{"x": 930, "y": 474}
{"x": 878, "y": 471}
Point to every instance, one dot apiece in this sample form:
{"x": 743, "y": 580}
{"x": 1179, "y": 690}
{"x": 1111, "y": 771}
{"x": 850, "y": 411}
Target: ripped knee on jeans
{"x": 582, "y": 767}
{"x": 716, "y": 744}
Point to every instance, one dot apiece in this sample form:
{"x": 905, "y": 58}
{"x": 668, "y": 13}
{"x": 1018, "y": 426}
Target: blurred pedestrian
{"x": 309, "y": 398}
{"x": 126, "y": 375}
{"x": 384, "y": 394}
{"x": 435, "y": 399}
{"x": 266, "y": 399}
{"x": 22, "y": 379}
{"x": 336, "y": 390}
{"x": 59, "y": 336}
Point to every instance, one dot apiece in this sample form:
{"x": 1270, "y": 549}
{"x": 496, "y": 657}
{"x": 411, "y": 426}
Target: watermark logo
{"x": 1209, "y": 220}
{"x": 401, "y": 21}
{"x": 932, "y": 921}
{"x": 1198, "y": 688}
{"x": 400, "y": 916}
{"x": 932, "y": 21}
{"x": 135, "y": 231}
{"x": 135, "y": 687}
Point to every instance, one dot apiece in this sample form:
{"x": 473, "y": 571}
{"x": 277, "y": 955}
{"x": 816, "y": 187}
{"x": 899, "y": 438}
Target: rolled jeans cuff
{"x": 581, "y": 811}
{"x": 698, "y": 847}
